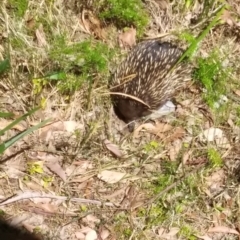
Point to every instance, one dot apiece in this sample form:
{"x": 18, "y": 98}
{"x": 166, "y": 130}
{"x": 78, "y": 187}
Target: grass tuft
{"x": 125, "y": 13}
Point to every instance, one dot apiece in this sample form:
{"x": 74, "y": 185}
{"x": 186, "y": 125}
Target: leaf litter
{"x": 90, "y": 173}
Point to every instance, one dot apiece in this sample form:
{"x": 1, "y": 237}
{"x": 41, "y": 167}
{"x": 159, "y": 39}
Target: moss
{"x": 125, "y": 13}
{"x": 19, "y": 7}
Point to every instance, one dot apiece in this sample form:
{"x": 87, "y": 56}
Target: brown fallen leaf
{"x": 43, "y": 209}
{"x": 237, "y": 92}
{"x": 92, "y": 24}
{"x": 223, "y": 229}
{"x": 30, "y": 22}
{"x": 127, "y": 38}
{"x": 29, "y": 227}
{"x": 41, "y": 37}
{"x": 79, "y": 235}
{"x": 57, "y": 169}
{"x": 179, "y": 132}
{"x": 216, "y": 178}
{"x": 156, "y": 129}
{"x": 113, "y": 148}
{"x": 91, "y": 220}
{"x": 111, "y": 176}
{"x": 186, "y": 156}
{"x": 104, "y": 234}
{"x": 174, "y": 150}
{"x": 227, "y": 18}
{"x": 90, "y": 234}
{"x": 168, "y": 234}
{"x": 161, "y": 128}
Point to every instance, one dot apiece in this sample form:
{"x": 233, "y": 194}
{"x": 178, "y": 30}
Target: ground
{"x": 83, "y": 175}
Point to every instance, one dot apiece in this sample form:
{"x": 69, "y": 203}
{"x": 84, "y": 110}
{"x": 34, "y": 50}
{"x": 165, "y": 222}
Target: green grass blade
{"x": 6, "y": 114}
{"x": 13, "y": 140}
{"x": 4, "y": 66}
{"x": 18, "y": 120}
{"x": 189, "y": 52}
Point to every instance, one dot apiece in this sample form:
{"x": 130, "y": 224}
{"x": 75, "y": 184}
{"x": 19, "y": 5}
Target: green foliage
{"x": 39, "y": 83}
{"x": 8, "y": 143}
{"x": 84, "y": 59}
{"x": 238, "y": 116}
{"x": 88, "y": 56}
{"x": 34, "y": 168}
{"x": 19, "y": 6}
{"x": 125, "y": 13}
{"x": 187, "y": 232}
{"x": 214, "y": 158}
{"x": 194, "y": 43}
{"x": 151, "y": 146}
{"x": 4, "y": 66}
{"x": 46, "y": 181}
{"x": 6, "y": 114}
{"x": 162, "y": 182}
{"x": 158, "y": 214}
{"x": 212, "y": 76}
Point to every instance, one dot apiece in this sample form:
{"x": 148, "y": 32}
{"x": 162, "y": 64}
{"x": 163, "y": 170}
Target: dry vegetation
{"x": 84, "y": 176}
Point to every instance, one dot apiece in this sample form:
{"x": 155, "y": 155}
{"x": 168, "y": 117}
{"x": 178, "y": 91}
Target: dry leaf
{"x": 79, "y": 235}
{"x": 142, "y": 126}
{"x": 165, "y": 234}
{"x": 226, "y": 17}
{"x": 127, "y": 38}
{"x": 161, "y": 128}
{"x": 29, "y": 227}
{"x": 113, "y": 148}
{"x": 163, "y": 4}
{"x": 57, "y": 169}
{"x": 205, "y": 237}
{"x": 91, "y": 235}
{"x": 40, "y": 35}
{"x": 92, "y": 24}
{"x": 85, "y": 230}
{"x": 223, "y": 229}
{"x": 71, "y": 126}
{"x": 216, "y": 178}
{"x": 41, "y": 208}
{"x": 174, "y": 150}
{"x": 214, "y": 135}
{"x": 104, "y": 234}
{"x": 30, "y": 23}
{"x": 111, "y": 176}
{"x": 179, "y": 132}
{"x": 211, "y": 134}
{"x": 186, "y": 156}
{"x": 237, "y": 92}
{"x": 156, "y": 129}
{"x": 91, "y": 219}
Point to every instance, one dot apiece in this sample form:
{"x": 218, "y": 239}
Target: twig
{"x": 28, "y": 194}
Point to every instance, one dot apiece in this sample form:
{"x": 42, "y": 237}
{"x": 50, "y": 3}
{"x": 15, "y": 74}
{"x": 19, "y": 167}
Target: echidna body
{"x": 145, "y": 76}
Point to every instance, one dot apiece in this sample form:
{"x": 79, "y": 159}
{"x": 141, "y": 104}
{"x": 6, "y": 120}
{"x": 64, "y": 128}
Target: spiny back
{"x": 149, "y": 64}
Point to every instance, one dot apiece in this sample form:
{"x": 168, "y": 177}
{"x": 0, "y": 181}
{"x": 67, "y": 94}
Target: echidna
{"x": 143, "y": 82}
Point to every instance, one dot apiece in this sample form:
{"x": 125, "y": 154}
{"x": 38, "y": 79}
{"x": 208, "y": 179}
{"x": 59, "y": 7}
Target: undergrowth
{"x": 212, "y": 76}
{"x": 82, "y": 61}
{"x": 125, "y": 13}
